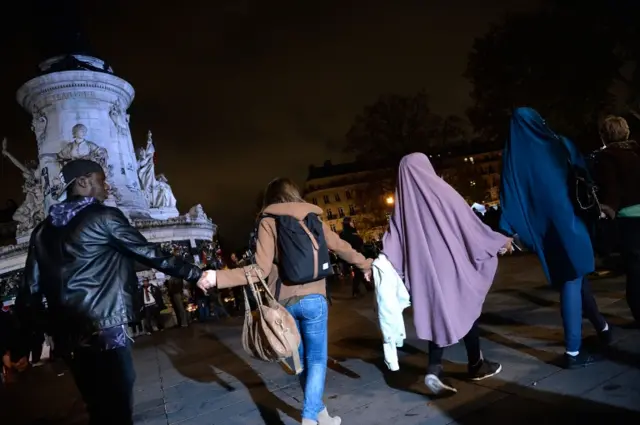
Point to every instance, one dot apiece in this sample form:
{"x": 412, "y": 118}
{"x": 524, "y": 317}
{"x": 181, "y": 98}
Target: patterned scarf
{"x": 62, "y": 213}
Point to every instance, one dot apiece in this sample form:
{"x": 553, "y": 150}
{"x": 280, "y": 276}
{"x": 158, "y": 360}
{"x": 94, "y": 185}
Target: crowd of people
{"x": 81, "y": 259}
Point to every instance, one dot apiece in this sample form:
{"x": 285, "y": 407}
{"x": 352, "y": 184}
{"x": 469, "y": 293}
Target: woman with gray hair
{"x": 617, "y": 173}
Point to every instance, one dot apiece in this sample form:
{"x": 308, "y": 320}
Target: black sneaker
{"x": 484, "y": 369}
{"x": 605, "y": 337}
{"x": 580, "y": 360}
{"x": 435, "y": 382}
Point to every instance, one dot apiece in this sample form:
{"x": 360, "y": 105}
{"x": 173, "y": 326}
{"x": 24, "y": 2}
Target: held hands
{"x": 507, "y": 248}
{"x": 368, "y": 275}
{"x": 208, "y": 280}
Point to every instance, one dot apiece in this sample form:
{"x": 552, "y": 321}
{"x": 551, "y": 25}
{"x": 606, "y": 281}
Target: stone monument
{"x": 79, "y": 110}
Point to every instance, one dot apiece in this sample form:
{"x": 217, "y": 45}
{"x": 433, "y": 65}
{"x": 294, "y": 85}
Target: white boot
{"x": 325, "y": 419}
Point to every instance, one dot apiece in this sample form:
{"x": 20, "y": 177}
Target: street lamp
{"x": 389, "y": 200}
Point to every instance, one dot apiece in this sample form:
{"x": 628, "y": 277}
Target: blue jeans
{"x": 312, "y": 314}
{"x": 577, "y": 299}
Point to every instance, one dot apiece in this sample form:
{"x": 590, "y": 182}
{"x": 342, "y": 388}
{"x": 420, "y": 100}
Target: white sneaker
{"x": 436, "y": 386}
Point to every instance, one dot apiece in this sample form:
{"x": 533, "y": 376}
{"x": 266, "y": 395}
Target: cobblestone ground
{"x": 200, "y": 375}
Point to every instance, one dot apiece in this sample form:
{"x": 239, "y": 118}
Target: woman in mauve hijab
{"x": 448, "y": 259}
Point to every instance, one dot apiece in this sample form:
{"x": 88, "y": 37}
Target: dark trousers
{"x": 179, "y": 310}
{"x": 204, "y": 308}
{"x": 471, "y": 343}
{"x": 151, "y": 314}
{"x": 36, "y": 346}
{"x": 105, "y": 380}
{"x": 630, "y": 243}
{"x": 136, "y": 327}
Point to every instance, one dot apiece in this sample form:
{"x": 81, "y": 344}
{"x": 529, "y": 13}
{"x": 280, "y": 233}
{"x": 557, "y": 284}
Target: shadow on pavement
{"x": 227, "y": 361}
{"x": 508, "y": 403}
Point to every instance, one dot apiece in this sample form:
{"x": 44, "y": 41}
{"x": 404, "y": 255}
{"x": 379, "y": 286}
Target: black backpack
{"x": 303, "y": 255}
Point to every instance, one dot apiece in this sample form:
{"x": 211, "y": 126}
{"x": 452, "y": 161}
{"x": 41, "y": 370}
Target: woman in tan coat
{"x": 307, "y": 303}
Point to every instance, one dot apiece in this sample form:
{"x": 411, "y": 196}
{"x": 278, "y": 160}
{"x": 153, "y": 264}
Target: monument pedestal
{"x": 81, "y": 113}
{"x": 163, "y": 213}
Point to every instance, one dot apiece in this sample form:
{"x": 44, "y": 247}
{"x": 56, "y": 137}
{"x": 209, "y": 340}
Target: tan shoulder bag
{"x": 269, "y": 333}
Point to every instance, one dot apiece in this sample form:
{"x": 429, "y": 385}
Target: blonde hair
{"x": 614, "y": 129}
{"x": 280, "y": 191}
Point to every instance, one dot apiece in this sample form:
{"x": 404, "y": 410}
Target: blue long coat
{"x": 536, "y": 198}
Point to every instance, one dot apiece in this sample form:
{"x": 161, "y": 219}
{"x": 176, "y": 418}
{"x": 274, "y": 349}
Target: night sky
{"x": 239, "y": 92}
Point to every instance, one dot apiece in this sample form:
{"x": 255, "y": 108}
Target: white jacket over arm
{"x": 392, "y": 298}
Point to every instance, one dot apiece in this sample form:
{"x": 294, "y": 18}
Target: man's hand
{"x": 208, "y": 280}
{"x": 21, "y": 365}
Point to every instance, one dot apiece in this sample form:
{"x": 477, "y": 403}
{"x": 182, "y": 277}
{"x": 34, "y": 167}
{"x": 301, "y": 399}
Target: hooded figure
{"x": 448, "y": 259}
{"x": 535, "y": 195}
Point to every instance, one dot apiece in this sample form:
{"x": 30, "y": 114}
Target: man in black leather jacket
{"x": 81, "y": 258}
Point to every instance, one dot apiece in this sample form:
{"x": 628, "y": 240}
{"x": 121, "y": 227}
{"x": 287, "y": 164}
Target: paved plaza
{"x": 201, "y": 376}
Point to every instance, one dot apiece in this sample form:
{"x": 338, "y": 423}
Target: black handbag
{"x": 584, "y": 193}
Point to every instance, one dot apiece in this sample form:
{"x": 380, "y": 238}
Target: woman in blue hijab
{"x": 536, "y": 205}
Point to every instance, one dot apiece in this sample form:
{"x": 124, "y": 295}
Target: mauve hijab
{"x": 447, "y": 256}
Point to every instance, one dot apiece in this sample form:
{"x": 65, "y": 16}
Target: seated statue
{"x": 162, "y": 195}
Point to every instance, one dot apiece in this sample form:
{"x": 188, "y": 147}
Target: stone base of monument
{"x": 163, "y": 213}
{"x": 190, "y": 229}
{"x": 23, "y": 238}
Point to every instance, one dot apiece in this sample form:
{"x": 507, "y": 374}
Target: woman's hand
{"x": 508, "y": 247}
{"x": 208, "y": 280}
{"x": 368, "y": 275}
{"x": 607, "y": 211}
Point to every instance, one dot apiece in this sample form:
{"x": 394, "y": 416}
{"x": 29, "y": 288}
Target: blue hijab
{"x": 536, "y": 199}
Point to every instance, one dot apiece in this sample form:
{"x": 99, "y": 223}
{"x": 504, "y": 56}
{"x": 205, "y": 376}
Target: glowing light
{"x": 389, "y": 200}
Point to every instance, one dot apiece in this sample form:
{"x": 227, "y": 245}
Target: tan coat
{"x": 266, "y": 253}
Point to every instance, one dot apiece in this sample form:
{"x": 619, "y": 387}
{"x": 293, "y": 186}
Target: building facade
{"x": 341, "y": 189}
{"x": 338, "y": 189}
{"x": 472, "y": 168}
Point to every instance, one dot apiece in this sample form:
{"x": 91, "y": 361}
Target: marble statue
{"x": 38, "y": 125}
{"x": 196, "y": 213}
{"x": 31, "y": 212}
{"x": 80, "y": 148}
{"x": 162, "y": 194}
{"x": 120, "y": 118}
{"x": 146, "y": 167}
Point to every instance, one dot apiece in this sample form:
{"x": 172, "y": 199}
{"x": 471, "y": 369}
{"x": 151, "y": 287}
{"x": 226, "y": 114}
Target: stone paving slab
{"x": 201, "y": 375}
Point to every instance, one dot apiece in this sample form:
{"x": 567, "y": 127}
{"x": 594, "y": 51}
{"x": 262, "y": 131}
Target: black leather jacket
{"x": 85, "y": 269}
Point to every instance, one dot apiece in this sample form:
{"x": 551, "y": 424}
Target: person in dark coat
{"x": 152, "y": 304}
{"x": 350, "y": 235}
